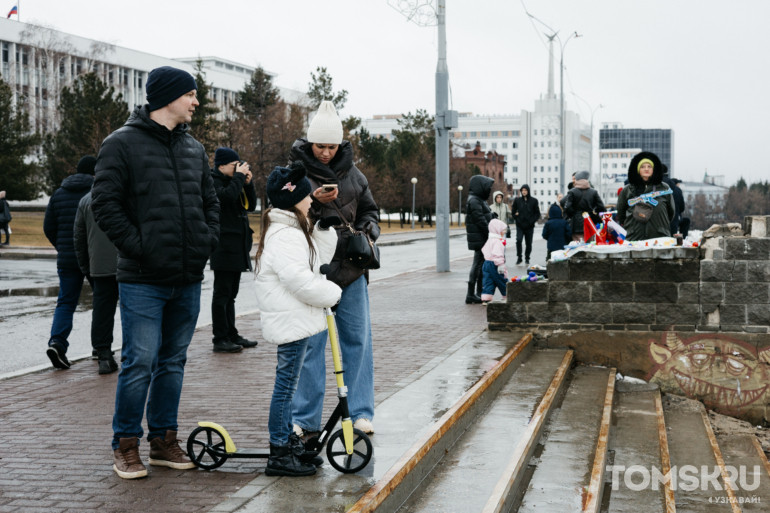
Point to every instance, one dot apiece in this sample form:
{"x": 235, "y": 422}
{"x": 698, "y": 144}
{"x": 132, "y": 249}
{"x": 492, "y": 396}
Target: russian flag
{"x": 14, "y": 10}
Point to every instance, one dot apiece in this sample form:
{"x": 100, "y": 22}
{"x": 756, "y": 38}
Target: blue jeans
{"x": 158, "y": 325}
{"x": 70, "y": 284}
{"x": 354, "y": 330}
{"x": 287, "y": 371}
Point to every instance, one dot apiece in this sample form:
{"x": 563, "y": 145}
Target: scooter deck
{"x": 249, "y": 453}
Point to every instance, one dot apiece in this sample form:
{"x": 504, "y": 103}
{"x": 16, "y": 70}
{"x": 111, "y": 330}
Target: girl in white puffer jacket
{"x": 291, "y": 293}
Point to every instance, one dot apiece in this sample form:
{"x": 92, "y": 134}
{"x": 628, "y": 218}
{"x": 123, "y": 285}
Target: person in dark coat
{"x": 645, "y": 175}
{"x": 329, "y": 161}
{"x": 556, "y": 230}
{"x": 98, "y": 259}
{"x": 5, "y": 218}
{"x": 477, "y": 217}
{"x": 237, "y": 197}
{"x": 58, "y": 226}
{"x": 155, "y": 200}
{"x": 581, "y": 198}
{"x": 526, "y": 212}
{"x": 673, "y": 184}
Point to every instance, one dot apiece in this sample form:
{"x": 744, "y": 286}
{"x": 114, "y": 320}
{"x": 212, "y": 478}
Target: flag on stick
{"x": 14, "y": 10}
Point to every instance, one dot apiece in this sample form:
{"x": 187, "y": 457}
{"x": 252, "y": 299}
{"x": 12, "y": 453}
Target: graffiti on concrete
{"x": 726, "y": 374}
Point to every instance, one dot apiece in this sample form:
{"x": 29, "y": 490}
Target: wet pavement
{"x": 56, "y": 457}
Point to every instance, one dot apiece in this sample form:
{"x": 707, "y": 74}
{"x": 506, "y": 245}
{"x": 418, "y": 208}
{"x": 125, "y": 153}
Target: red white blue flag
{"x": 14, "y": 10}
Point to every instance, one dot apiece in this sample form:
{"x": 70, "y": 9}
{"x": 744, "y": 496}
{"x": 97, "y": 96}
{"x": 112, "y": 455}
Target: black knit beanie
{"x": 86, "y": 165}
{"x": 287, "y": 186}
{"x": 166, "y": 84}
{"x": 224, "y": 156}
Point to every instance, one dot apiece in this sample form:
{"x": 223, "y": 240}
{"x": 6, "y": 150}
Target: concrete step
{"x": 638, "y": 440}
{"x": 696, "y": 460}
{"x": 565, "y": 476}
{"x": 749, "y": 469}
{"x": 485, "y": 449}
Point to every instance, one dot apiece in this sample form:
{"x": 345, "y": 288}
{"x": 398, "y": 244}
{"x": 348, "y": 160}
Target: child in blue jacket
{"x": 556, "y": 230}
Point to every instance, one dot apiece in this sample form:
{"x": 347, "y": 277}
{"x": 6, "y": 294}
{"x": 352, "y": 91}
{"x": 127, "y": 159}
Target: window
{"x": 493, "y": 134}
{"x": 494, "y": 146}
{"x": 534, "y": 156}
{"x": 505, "y": 145}
{"x": 515, "y": 156}
{"x": 535, "y": 132}
{"x": 514, "y": 145}
{"x": 484, "y": 134}
{"x": 473, "y": 134}
{"x": 515, "y": 169}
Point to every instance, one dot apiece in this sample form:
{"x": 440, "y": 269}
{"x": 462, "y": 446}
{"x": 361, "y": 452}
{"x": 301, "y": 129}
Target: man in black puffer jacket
{"x": 58, "y": 226}
{"x": 477, "y": 217}
{"x": 155, "y": 200}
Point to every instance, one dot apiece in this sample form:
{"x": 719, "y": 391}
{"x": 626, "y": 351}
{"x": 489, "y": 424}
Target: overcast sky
{"x": 699, "y": 67}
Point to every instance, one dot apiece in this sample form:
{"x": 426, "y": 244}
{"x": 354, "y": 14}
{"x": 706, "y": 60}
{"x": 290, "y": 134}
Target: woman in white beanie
{"x": 339, "y": 187}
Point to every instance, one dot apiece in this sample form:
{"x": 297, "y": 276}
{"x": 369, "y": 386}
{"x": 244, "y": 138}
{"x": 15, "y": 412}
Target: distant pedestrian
{"x": 556, "y": 230}
{"x": 526, "y": 212}
{"x": 500, "y": 207}
{"x": 673, "y": 183}
{"x": 58, "y": 226}
{"x": 5, "y": 218}
{"x": 291, "y": 292}
{"x": 645, "y": 175}
{"x": 237, "y": 197}
{"x": 98, "y": 259}
{"x": 155, "y": 200}
{"x": 582, "y": 198}
{"x": 495, "y": 273}
{"x": 477, "y": 217}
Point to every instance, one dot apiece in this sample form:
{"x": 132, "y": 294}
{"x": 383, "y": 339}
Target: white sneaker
{"x": 298, "y": 431}
{"x": 364, "y": 425}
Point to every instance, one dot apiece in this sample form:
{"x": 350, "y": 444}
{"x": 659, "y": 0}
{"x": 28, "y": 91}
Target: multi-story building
{"x": 613, "y": 167}
{"x": 37, "y": 62}
{"x": 660, "y": 141}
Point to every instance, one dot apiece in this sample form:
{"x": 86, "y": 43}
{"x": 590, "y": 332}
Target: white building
{"x": 613, "y": 167}
{"x": 38, "y": 61}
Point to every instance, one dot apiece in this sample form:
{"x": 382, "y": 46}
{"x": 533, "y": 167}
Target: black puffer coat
{"x": 526, "y": 210}
{"x": 154, "y": 198}
{"x": 477, "y": 212}
{"x": 354, "y": 200}
{"x": 236, "y": 198}
{"x": 659, "y": 224}
{"x": 59, "y": 222}
{"x": 580, "y": 200}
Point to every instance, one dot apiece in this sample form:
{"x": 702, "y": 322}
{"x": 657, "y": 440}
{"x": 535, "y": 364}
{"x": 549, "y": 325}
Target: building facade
{"x": 660, "y": 141}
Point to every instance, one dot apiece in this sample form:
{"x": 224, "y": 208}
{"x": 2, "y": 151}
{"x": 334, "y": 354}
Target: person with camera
{"x": 237, "y": 197}
{"x": 339, "y": 189}
{"x": 646, "y": 219}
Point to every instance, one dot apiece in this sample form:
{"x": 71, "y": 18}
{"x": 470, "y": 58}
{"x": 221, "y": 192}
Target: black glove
{"x": 325, "y": 222}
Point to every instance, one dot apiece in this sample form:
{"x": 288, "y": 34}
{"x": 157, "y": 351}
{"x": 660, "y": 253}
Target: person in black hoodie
{"x": 581, "y": 198}
{"x": 58, "y": 226}
{"x": 477, "y": 217}
{"x": 526, "y": 212}
{"x": 155, "y": 199}
{"x": 237, "y": 197}
{"x": 556, "y": 230}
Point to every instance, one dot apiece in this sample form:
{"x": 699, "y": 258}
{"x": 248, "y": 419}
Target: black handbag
{"x": 361, "y": 250}
{"x": 642, "y": 211}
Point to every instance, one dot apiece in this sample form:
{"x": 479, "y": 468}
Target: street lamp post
{"x": 414, "y": 186}
{"x": 459, "y": 204}
{"x": 562, "y": 156}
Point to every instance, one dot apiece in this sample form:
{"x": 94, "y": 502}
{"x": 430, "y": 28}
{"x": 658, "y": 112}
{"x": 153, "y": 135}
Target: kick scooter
{"x": 347, "y": 449}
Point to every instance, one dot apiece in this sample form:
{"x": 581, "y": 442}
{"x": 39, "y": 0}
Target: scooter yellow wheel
{"x": 339, "y": 457}
{"x": 206, "y": 448}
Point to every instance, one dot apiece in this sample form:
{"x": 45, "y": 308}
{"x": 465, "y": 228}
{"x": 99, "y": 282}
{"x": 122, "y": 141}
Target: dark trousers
{"x": 105, "y": 290}
{"x": 524, "y": 233}
{"x": 475, "y": 275}
{"x": 226, "y": 285}
{"x": 4, "y": 229}
{"x": 70, "y": 284}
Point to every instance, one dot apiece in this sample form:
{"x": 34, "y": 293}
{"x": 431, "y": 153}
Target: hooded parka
{"x": 477, "y": 212}
{"x": 662, "y": 213}
{"x": 526, "y": 210}
{"x": 354, "y": 200}
{"x": 154, "y": 198}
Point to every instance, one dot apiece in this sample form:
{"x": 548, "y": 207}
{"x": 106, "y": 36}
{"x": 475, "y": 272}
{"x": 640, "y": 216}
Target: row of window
{"x": 495, "y": 133}
{"x": 542, "y": 156}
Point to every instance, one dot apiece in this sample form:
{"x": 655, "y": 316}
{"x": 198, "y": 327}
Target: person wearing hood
{"x": 500, "y": 207}
{"x": 556, "y": 230}
{"x": 645, "y": 175}
{"x": 494, "y": 269}
{"x": 237, "y": 197}
{"x": 526, "y": 212}
{"x": 673, "y": 184}
{"x": 339, "y": 189}
{"x": 154, "y": 198}
{"x": 59, "y": 228}
{"x": 581, "y": 198}
{"x": 5, "y": 218}
{"x": 477, "y": 217}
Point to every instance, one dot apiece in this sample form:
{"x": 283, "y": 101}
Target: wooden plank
{"x": 665, "y": 457}
{"x": 721, "y": 462}
{"x": 592, "y": 499}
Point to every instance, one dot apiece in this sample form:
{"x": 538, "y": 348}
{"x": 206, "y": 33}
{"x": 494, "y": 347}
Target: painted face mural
{"x": 727, "y": 375}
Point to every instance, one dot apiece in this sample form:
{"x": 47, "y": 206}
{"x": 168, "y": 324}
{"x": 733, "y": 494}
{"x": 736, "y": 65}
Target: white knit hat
{"x": 326, "y": 127}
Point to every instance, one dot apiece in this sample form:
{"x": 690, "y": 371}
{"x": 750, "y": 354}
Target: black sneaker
{"x": 56, "y": 353}
{"x": 225, "y": 346}
{"x": 305, "y": 456}
{"x": 243, "y": 342}
{"x": 107, "y": 365}
{"x": 518, "y": 261}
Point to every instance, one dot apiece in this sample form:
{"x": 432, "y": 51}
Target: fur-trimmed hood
{"x": 657, "y": 169}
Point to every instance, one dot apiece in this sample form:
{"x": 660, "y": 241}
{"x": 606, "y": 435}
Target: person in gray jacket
{"x": 98, "y": 258}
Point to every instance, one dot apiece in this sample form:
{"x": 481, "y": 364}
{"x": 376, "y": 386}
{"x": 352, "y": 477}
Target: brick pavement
{"x": 55, "y": 454}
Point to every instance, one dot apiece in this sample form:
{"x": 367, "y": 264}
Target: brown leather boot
{"x": 127, "y": 463}
{"x": 165, "y": 452}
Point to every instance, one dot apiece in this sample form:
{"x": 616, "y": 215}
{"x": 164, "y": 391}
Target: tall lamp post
{"x": 562, "y": 129}
{"x": 414, "y": 186}
{"x": 459, "y": 204}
